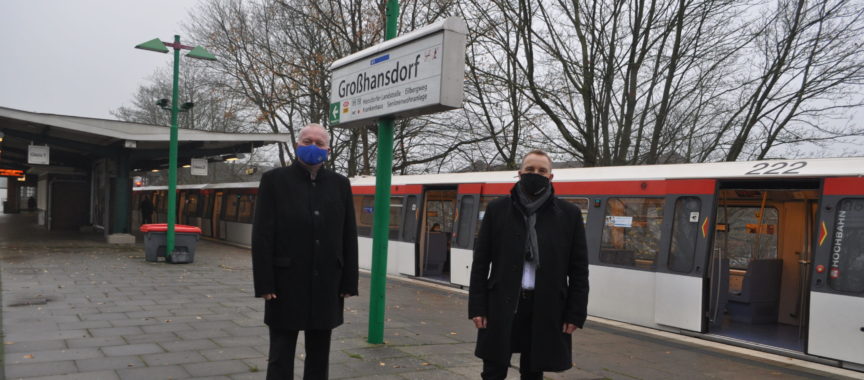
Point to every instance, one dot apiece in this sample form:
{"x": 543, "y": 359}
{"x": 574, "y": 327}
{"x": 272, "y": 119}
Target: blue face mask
{"x": 311, "y": 154}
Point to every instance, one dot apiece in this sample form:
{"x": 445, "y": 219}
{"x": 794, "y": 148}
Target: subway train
{"x": 765, "y": 254}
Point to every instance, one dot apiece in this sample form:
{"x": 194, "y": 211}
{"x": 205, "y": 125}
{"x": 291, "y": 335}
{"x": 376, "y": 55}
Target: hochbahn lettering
{"x": 838, "y": 244}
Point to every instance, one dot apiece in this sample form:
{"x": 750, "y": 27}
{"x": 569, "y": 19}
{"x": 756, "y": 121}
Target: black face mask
{"x": 533, "y": 184}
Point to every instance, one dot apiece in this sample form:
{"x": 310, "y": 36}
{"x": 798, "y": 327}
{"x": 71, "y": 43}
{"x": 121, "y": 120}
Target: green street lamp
{"x": 196, "y": 52}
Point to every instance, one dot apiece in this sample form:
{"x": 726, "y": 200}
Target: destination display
{"x": 418, "y": 73}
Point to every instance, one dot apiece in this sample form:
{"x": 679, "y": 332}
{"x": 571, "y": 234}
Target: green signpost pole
{"x": 381, "y": 225}
{"x": 172, "y": 154}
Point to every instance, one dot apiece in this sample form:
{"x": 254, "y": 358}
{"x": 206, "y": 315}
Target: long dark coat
{"x": 304, "y": 247}
{"x": 561, "y": 284}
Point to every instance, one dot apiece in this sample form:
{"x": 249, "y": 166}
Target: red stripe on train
{"x": 844, "y": 186}
{"x": 657, "y": 187}
{"x": 618, "y": 187}
{"x": 394, "y": 190}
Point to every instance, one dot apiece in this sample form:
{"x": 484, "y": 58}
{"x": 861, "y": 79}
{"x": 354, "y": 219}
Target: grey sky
{"x": 77, "y": 57}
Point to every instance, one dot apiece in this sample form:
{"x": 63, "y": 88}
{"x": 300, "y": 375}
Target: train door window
{"x": 744, "y": 239}
{"x": 181, "y": 206}
{"x": 396, "y": 204}
{"x": 409, "y": 226}
{"x": 685, "y": 231}
{"x": 583, "y": 206}
{"x": 466, "y": 210}
{"x": 847, "y": 250}
{"x": 160, "y": 205}
{"x": 437, "y": 226}
{"x": 208, "y": 209}
{"x": 631, "y": 234}
{"x": 192, "y": 204}
{"x": 230, "y": 211}
{"x": 247, "y": 204}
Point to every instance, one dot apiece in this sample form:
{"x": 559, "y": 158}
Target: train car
{"x": 766, "y": 254}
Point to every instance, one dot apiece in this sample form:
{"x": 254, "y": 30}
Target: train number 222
{"x": 777, "y": 168}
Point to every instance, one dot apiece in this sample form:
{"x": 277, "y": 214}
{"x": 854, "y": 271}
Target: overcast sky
{"x": 77, "y": 57}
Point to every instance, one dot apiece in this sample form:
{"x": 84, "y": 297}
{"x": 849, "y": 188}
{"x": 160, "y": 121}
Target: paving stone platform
{"x": 74, "y": 307}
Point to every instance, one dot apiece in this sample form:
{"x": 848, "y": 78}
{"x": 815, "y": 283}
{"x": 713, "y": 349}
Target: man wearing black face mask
{"x": 536, "y": 293}
{"x": 304, "y": 255}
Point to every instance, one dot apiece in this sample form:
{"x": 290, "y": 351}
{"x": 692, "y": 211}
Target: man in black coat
{"x": 536, "y": 293}
{"x": 304, "y": 255}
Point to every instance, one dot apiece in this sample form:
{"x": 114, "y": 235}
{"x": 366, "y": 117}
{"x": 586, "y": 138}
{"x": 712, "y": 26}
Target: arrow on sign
{"x": 334, "y": 113}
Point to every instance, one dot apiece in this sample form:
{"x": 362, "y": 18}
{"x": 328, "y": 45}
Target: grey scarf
{"x": 529, "y": 212}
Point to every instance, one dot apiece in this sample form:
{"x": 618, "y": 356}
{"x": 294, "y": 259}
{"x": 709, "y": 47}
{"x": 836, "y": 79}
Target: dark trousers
{"x": 520, "y": 341}
{"x": 283, "y": 344}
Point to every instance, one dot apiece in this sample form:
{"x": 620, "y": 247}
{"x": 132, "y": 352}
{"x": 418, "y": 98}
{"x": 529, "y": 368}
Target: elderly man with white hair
{"x": 304, "y": 255}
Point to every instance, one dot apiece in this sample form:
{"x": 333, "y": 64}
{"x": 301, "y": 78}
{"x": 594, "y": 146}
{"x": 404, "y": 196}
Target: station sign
{"x": 38, "y": 155}
{"x": 11, "y": 173}
{"x": 418, "y": 73}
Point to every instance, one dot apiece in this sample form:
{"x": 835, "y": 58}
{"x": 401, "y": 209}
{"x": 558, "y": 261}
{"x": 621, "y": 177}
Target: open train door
{"x": 836, "y": 328}
{"x": 679, "y": 288}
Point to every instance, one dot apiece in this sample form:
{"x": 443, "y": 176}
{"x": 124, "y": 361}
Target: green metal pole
{"x": 172, "y": 154}
{"x": 121, "y": 193}
{"x": 381, "y": 224}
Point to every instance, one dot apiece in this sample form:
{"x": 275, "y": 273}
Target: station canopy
{"x": 75, "y": 142}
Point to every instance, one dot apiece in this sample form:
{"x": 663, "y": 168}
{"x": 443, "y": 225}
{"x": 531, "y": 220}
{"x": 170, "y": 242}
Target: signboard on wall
{"x": 419, "y": 73}
{"x": 38, "y": 155}
{"x": 199, "y": 166}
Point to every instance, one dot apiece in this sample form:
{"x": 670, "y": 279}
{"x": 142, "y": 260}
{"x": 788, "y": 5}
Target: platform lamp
{"x": 196, "y": 52}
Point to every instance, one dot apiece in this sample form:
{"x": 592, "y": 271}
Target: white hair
{"x": 311, "y": 126}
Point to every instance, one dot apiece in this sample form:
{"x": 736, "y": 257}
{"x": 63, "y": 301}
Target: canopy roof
{"x": 75, "y": 141}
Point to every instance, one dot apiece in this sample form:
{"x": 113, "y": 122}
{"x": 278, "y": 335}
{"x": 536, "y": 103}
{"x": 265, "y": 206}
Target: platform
{"x": 75, "y": 307}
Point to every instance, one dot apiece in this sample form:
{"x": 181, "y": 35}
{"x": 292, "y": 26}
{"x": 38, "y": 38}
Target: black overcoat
{"x": 561, "y": 284}
{"x": 304, "y": 247}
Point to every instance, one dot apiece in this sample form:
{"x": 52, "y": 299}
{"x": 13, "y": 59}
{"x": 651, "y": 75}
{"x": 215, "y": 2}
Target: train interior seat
{"x": 436, "y": 253}
{"x": 759, "y": 299}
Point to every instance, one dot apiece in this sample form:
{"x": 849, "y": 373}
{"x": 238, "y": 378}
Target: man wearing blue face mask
{"x": 529, "y": 279}
{"x": 304, "y": 255}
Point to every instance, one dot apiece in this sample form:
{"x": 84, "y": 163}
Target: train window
{"x": 583, "y": 206}
{"x": 208, "y": 208}
{"x": 743, "y": 239}
{"x": 364, "y": 210}
{"x": 247, "y": 205}
{"x": 631, "y": 235}
{"x": 230, "y": 211}
{"x": 847, "y": 249}
{"x": 685, "y": 232}
{"x": 192, "y": 204}
{"x": 162, "y": 201}
{"x": 466, "y": 209}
